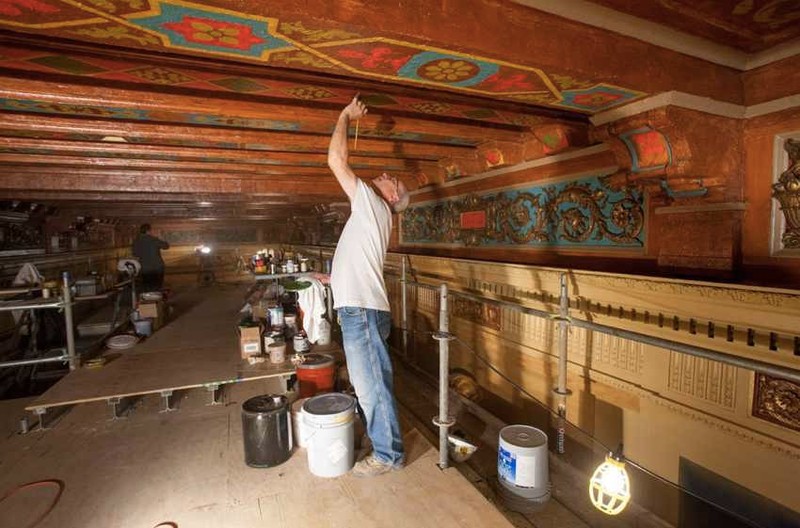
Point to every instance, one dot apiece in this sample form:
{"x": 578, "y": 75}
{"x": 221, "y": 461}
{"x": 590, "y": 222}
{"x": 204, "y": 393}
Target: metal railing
{"x": 564, "y": 321}
{"x": 65, "y": 303}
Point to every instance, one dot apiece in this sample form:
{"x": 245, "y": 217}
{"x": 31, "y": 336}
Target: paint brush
{"x": 355, "y": 143}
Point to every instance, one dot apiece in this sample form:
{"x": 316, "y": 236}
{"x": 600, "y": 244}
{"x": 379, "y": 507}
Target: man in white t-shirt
{"x": 360, "y": 298}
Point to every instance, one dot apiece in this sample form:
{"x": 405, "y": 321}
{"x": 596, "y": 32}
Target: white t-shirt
{"x": 357, "y": 270}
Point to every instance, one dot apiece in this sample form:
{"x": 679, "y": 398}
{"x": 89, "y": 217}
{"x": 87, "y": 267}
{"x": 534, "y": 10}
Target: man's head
{"x": 144, "y": 229}
{"x": 393, "y": 191}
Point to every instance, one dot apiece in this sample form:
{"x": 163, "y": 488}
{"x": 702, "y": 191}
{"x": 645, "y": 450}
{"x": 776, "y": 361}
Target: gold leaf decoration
{"x": 116, "y": 33}
{"x": 302, "y": 58}
{"x": 565, "y": 82}
{"x": 105, "y": 5}
{"x": 298, "y": 30}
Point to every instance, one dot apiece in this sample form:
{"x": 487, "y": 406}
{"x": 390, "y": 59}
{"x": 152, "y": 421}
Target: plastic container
{"x": 276, "y": 316}
{"x": 328, "y": 419}
{"x": 316, "y": 374}
{"x": 265, "y": 431}
{"x": 143, "y": 327}
{"x": 299, "y": 429}
{"x": 324, "y": 332}
{"x": 522, "y": 467}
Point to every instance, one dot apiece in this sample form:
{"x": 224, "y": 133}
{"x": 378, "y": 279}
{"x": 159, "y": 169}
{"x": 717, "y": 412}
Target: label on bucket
{"x": 337, "y": 451}
{"x": 517, "y": 470}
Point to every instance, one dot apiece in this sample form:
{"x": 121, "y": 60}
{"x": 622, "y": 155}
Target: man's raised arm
{"x": 338, "y": 150}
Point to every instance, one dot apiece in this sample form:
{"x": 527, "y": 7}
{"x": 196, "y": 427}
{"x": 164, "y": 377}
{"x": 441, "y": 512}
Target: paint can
{"x": 276, "y": 316}
{"x": 277, "y": 352}
{"x": 522, "y": 468}
{"x": 300, "y": 342}
{"x": 303, "y": 265}
{"x": 272, "y": 336}
{"x": 266, "y": 431}
{"x": 330, "y": 440}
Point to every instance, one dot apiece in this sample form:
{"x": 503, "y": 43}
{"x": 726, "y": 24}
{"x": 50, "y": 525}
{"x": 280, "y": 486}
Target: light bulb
{"x": 205, "y": 250}
{"x": 609, "y": 487}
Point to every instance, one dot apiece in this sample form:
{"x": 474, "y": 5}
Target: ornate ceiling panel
{"x": 749, "y": 25}
{"x": 202, "y": 29}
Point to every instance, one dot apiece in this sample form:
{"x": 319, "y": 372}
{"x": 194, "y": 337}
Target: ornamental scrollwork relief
{"x": 787, "y": 192}
{"x": 588, "y": 212}
{"x": 778, "y": 401}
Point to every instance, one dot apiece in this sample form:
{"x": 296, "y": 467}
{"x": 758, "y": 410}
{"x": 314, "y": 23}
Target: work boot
{"x": 371, "y": 467}
{"x": 364, "y": 447}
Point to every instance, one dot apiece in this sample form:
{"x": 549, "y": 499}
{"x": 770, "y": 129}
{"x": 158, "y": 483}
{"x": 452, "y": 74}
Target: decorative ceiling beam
{"x": 132, "y": 151}
{"x": 32, "y": 96}
{"x": 198, "y": 136}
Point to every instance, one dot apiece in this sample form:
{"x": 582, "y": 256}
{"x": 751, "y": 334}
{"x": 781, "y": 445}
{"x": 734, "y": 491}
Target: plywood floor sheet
{"x": 198, "y": 347}
{"x": 187, "y": 468}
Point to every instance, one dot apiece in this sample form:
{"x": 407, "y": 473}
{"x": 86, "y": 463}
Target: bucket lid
{"x": 523, "y": 436}
{"x": 316, "y": 361}
{"x": 330, "y": 403}
{"x": 266, "y": 403}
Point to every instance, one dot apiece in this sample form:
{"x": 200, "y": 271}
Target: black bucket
{"x": 265, "y": 429}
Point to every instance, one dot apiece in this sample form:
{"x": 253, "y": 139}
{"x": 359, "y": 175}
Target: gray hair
{"x": 400, "y": 205}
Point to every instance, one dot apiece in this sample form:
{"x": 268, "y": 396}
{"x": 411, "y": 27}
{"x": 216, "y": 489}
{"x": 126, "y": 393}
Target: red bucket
{"x": 316, "y": 374}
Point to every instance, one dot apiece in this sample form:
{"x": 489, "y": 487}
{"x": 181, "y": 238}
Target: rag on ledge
{"x": 312, "y": 302}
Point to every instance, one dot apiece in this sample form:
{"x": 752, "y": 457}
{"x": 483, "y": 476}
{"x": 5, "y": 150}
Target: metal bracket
{"x": 165, "y": 394}
{"x": 565, "y": 392}
{"x": 114, "y": 403}
{"x": 449, "y": 422}
{"x": 212, "y": 391}
{"x": 40, "y": 412}
{"x": 443, "y": 336}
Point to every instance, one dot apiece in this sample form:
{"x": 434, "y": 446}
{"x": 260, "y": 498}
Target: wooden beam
{"x": 204, "y": 137}
{"x": 120, "y": 104}
{"x": 272, "y": 164}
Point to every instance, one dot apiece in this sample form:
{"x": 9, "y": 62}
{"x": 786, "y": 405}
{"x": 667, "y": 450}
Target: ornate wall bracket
{"x": 777, "y": 400}
{"x": 787, "y": 192}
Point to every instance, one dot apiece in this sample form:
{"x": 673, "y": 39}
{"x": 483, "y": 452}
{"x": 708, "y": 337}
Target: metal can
{"x": 300, "y": 342}
{"x": 277, "y": 352}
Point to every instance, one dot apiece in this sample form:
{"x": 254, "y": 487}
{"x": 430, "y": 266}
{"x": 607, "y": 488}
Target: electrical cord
{"x": 38, "y": 483}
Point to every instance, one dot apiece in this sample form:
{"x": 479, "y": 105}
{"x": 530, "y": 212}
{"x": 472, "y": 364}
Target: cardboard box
{"x": 249, "y": 341}
{"x": 153, "y": 310}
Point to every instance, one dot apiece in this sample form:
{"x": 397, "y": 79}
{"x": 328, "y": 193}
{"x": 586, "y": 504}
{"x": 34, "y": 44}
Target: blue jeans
{"x": 364, "y": 335}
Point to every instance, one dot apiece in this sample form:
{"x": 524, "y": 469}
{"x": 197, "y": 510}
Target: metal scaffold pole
{"x": 443, "y": 421}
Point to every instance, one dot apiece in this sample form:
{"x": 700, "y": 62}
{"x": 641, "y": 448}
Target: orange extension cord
{"x": 48, "y": 482}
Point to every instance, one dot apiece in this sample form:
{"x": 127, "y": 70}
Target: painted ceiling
{"x": 154, "y": 106}
{"x": 749, "y": 25}
{"x": 208, "y": 30}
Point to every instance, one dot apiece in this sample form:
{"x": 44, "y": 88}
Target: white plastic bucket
{"x": 144, "y": 327}
{"x": 299, "y": 428}
{"x": 323, "y": 332}
{"x": 522, "y": 462}
{"x": 328, "y": 420}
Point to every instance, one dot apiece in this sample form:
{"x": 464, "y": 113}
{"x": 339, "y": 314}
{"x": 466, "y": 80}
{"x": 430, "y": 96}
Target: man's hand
{"x": 338, "y": 150}
{"x": 356, "y": 109}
